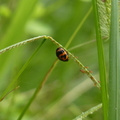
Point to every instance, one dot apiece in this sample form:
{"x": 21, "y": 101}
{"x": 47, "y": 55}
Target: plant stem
{"x": 38, "y": 89}
{"x": 96, "y": 83}
{"x": 21, "y": 43}
{"x": 79, "y": 26}
{"x": 8, "y": 89}
{"x": 91, "y": 110}
{"x": 101, "y": 61}
{"x": 114, "y": 64}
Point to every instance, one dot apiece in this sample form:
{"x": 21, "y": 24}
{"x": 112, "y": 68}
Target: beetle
{"x": 62, "y": 54}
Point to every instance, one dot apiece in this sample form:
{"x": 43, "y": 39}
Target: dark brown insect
{"x": 62, "y": 54}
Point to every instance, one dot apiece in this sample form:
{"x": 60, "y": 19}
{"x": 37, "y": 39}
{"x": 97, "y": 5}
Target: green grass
{"x": 114, "y": 95}
{"x": 101, "y": 60}
{"x": 49, "y": 88}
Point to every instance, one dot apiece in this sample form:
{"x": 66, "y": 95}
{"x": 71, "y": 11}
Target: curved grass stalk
{"x": 96, "y": 83}
{"x": 8, "y": 89}
{"x": 42, "y": 84}
{"x": 88, "y": 112}
{"x": 21, "y": 43}
{"x": 59, "y": 45}
{"x": 72, "y": 56}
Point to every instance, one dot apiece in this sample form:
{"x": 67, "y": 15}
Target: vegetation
{"x": 35, "y": 85}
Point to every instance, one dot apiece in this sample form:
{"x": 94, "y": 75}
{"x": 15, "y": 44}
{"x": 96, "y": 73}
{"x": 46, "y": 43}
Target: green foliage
{"x": 102, "y": 29}
{"x": 52, "y": 89}
{"x": 114, "y": 84}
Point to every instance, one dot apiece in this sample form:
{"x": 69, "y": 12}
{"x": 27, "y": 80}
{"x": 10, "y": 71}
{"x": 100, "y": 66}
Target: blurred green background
{"x": 68, "y": 92}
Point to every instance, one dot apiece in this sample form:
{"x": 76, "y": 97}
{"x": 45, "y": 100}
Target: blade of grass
{"x": 78, "y": 28}
{"x": 101, "y": 61}
{"x": 80, "y": 45}
{"x": 13, "y": 34}
{"x": 19, "y": 73}
{"x": 21, "y": 43}
{"x": 38, "y": 90}
{"x": 88, "y": 112}
{"x": 88, "y": 73}
{"x": 114, "y": 64}
{"x": 41, "y": 84}
{"x": 35, "y": 93}
{"x": 58, "y": 44}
